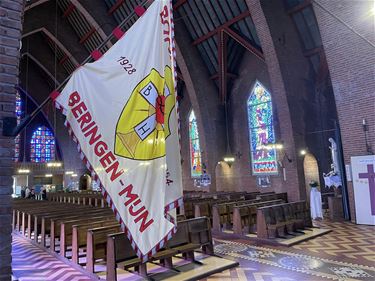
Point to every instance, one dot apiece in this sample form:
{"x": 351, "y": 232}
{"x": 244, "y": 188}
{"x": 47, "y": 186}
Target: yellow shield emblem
{"x": 143, "y": 125}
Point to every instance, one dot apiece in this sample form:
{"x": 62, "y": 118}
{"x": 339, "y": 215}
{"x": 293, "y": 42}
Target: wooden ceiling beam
{"x": 115, "y": 7}
{"x": 179, "y": 4}
{"x": 299, "y": 7}
{"x": 219, "y": 28}
{"x": 222, "y": 58}
{"x": 238, "y": 38}
{"x": 229, "y": 75}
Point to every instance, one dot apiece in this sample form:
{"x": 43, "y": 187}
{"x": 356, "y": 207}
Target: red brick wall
{"x": 240, "y": 174}
{"x": 10, "y": 34}
{"x": 350, "y": 57}
{"x": 293, "y": 185}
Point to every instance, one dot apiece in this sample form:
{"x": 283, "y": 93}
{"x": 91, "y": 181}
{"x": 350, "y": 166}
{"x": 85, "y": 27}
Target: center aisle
{"x": 31, "y": 263}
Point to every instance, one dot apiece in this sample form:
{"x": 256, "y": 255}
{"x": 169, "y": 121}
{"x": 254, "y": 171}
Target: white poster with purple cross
{"x": 363, "y": 170}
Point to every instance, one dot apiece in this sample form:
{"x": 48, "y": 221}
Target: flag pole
{"x": 27, "y": 119}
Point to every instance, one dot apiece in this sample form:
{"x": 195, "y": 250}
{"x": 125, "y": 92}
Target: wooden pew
{"x": 97, "y": 243}
{"x": 200, "y": 233}
{"x": 222, "y": 214}
{"x": 202, "y": 209}
{"x": 25, "y": 222}
{"x": 34, "y": 222}
{"x": 55, "y": 222}
{"x": 191, "y": 235}
{"x": 66, "y": 229}
{"x": 273, "y": 196}
{"x": 120, "y": 254}
{"x": 245, "y": 216}
{"x": 277, "y": 220}
{"x": 83, "y": 198}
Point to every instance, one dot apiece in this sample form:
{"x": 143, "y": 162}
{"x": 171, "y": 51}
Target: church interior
{"x": 276, "y": 117}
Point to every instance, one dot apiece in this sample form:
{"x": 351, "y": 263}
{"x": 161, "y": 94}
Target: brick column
{"x": 348, "y": 37}
{"x": 10, "y": 35}
{"x": 294, "y": 172}
{"x": 204, "y": 98}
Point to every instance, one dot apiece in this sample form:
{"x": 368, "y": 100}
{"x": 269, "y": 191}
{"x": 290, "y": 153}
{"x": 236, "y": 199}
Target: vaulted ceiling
{"x": 59, "y": 35}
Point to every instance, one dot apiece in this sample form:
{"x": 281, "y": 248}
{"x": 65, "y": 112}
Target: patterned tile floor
{"x": 347, "y": 253}
{"x": 30, "y": 263}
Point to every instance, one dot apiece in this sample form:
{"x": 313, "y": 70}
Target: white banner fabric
{"x": 122, "y": 112}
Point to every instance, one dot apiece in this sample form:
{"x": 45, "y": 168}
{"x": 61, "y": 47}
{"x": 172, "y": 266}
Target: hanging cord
{"x": 55, "y": 81}
{"x": 55, "y": 45}
{"x": 226, "y": 125}
{"x": 26, "y": 98}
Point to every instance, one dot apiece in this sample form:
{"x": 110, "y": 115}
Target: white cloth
{"x": 334, "y": 180}
{"x": 115, "y": 109}
{"x": 315, "y": 203}
{"x": 27, "y": 192}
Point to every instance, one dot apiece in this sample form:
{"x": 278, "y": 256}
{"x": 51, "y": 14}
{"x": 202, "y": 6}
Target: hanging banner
{"x": 122, "y": 112}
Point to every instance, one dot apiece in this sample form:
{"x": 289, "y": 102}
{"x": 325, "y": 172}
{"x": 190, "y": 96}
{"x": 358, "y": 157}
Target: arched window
{"x": 42, "y": 146}
{"x": 262, "y": 135}
{"x": 17, "y": 140}
{"x": 195, "y": 151}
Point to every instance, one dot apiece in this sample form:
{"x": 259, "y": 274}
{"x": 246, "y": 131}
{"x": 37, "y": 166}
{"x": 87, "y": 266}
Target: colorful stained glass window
{"x": 17, "y": 140}
{"x": 42, "y": 146}
{"x": 195, "y": 151}
{"x": 262, "y": 135}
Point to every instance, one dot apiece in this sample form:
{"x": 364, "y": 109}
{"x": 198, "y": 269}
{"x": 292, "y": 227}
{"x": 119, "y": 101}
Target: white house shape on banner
{"x": 122, "y": 111}
{"x": 363, "y": 170}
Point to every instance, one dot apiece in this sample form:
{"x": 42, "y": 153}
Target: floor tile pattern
{"x": 313, "y": 267}
{"x": 345, "y": 254}
{"x": 30, "y": 263}
{"x": 346, "y": 241}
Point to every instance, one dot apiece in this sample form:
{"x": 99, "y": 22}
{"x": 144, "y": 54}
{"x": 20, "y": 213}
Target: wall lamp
{"x": 229, "y": 159}
{"x": 365, "y": 128}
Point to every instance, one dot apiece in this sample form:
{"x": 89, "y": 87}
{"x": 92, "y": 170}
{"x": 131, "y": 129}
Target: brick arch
{"x": 200, "y": 109}
{"x": 41, "y": 66}
{"x": 311, "y": 171}
{"x": 192, "y": 95}
{"x": 82, "y": 10}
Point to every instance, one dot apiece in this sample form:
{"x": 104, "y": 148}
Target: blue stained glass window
{"x": 17, "y": 140}
{"x": 42, "y": 146}
{"x": 195, "y": 151}
{"x": 261, "y": 132}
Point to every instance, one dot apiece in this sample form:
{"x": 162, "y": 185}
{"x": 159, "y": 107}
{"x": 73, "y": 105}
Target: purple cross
{"x": 370, "y": 175}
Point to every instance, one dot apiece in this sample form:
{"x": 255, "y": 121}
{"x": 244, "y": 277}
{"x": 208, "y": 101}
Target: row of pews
{"x": 82, "y": 198}
{"x": 268, "y": 215}
{"x": 280, "y": 220}
{"x": 88, "y": 234}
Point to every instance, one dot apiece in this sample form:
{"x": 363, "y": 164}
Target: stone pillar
{"x": 10, "y": 35}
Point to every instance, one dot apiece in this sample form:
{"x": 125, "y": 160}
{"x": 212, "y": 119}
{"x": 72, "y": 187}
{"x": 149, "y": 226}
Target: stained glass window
{"x": 17, "y": 140}
{"x": 195, "y": 151}
{"x": 42, "y": 146}
{"x": 262, "y": 135}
